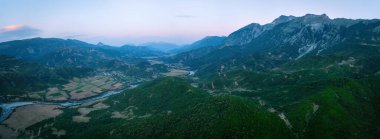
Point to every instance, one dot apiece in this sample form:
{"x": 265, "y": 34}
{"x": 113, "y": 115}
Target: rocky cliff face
{"x": 286, "y": 39}
{"x": 246, "y": 34}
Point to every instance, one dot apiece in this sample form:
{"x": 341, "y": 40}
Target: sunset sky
{"x": 118, "y": 22}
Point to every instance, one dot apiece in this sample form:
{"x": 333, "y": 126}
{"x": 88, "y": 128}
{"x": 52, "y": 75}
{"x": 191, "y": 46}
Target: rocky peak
{"x": 312, "y": 18}
{"x": 100, "y": 44}
{"x": 252, "y": 26}
{"x": 283, "y": 19}
{"x": 244, "y": 35}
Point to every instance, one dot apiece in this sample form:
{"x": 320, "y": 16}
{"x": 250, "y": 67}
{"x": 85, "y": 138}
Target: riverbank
{"x": 8, "y": 108}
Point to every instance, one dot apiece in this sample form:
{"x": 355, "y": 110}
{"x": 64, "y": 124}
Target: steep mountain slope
{"x": 330, "y": 95}
{"x": 281, "y": 43}
{"x": 318, "y": 74}
{"x": 315, "y": 103}
{"x": 246, "y": 34}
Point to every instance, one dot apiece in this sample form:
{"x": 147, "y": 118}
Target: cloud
{"x": 185, "y": 16}
{"x": 18, "y": 31}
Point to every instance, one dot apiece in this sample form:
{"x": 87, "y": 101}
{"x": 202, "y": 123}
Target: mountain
{"x": 42, "y": 65}
{"x": 140, "y": 51}
{"x": 284, "y": 40}
{"x": 209, "y": 41}
{"x": 73, "y": 53}
{"x": 318, "y": 74}
{"x": 297, "y": 77}
{"x": 18, "y": 77}
{"x": 246, "y": 34}
{"x": 160, "y": 46}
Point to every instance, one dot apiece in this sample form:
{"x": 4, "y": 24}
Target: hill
{"x": 171, "y": 108}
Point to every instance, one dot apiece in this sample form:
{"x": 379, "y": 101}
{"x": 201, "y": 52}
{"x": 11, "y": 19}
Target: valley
{"x": 297, "y": 77}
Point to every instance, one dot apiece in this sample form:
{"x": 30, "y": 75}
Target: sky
{"x": 118, "y": 22}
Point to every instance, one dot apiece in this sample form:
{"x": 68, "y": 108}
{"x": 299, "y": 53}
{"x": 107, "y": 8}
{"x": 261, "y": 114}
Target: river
{"x": 7, "y": 108}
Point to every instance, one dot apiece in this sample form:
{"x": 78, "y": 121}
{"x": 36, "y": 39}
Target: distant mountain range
{"x": 209, "y": 41}
{"x": 160, "y": 46}
{"x": 170, "y": 48}
{"x": 60, "y": 52}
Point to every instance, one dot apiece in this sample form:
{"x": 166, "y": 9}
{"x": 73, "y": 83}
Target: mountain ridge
{"x": 291, "y": 40}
